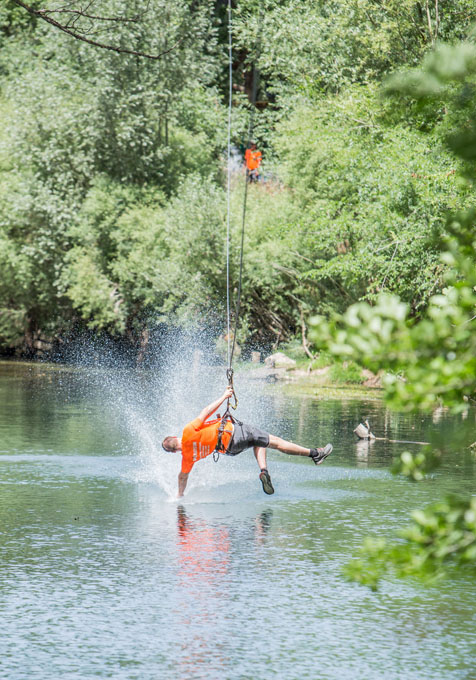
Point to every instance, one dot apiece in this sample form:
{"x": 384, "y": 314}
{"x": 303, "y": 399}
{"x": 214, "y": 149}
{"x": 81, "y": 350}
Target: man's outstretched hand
{"x": 211, "y": 408}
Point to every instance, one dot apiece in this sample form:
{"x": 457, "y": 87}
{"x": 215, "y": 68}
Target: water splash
{"x": 147, "y": 404}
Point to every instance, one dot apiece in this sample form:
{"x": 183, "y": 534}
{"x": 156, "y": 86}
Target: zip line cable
{"x": 254, "y": 91}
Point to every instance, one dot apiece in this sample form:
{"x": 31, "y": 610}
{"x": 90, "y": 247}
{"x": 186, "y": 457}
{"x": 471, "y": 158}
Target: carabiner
{"x": 229, "y": 376}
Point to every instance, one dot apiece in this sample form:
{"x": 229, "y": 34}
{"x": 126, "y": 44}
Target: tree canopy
{"x": 112, "y": 166}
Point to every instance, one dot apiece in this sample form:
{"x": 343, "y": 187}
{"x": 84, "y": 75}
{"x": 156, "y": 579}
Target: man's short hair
{"x": 168, "y": 441}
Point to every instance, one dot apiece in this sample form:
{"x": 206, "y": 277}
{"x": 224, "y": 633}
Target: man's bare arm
{"x": 211, "y": 408}
{"x": 182, "y": 483}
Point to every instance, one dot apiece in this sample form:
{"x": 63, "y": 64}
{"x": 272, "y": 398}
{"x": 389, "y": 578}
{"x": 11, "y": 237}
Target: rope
{"x": 231, "y": 350}
{"x": 251, "y": 125}
{"x": 228, "y": 195}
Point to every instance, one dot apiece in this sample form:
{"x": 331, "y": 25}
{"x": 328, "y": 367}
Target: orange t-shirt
{"x": 253, "y": 159}
{"x": 200, "y": 439}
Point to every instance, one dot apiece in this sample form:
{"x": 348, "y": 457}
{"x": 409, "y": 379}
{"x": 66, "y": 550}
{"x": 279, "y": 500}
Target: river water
{"x": 105, "y": 575}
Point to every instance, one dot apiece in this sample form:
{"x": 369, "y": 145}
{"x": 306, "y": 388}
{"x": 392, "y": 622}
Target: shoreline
{"x": 292, "y": 381}
{"x": 316, "y": 382}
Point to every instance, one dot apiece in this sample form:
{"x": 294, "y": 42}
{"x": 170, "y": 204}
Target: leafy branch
{"x": 432, "y": 360}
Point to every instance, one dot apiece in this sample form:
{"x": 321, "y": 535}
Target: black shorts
{"x": 245, "y": 437}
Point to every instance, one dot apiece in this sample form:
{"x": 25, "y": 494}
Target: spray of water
{"x": 147, "y": 404}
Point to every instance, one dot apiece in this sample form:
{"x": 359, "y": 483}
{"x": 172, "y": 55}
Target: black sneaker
{"x": 266, "y": 482}
{"x": 319, "y": 455}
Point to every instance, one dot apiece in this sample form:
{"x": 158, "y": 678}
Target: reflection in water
{"x": 363, "y": 449}
{"x": 439, "y": 413}
{"x": 203, "y": 571}
{"x": 205, "y": 582}
{"x": 262, "y": 526}
{"x": 203, "y": 549}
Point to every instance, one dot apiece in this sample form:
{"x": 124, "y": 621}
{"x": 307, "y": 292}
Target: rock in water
{"x": 279, "y": 360}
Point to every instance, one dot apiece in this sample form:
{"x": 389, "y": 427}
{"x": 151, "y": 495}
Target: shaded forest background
{"x": 112, "y": 168}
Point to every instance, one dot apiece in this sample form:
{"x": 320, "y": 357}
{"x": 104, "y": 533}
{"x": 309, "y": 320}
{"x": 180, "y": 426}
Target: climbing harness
{"x": 227, "y": 417}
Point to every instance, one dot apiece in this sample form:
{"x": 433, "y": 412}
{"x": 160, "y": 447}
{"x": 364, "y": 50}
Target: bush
{"x": 346, "y": 372}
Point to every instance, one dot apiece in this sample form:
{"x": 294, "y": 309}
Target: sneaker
{"x": 266, "y": 482}
{"x": 319, "y": 455}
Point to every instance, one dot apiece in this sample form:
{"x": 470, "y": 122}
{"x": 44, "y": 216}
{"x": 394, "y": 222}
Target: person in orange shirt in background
{"x": 200, "y": 437}
{"x": 253, "y": 159}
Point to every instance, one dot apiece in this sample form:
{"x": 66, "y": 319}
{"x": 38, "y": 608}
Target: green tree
{"x": 328, "y": 45}
{"x": 370, "y": 193}
{"x": 72, "y": 115}
{"x": 430, "y": 361}
{"x": 110, "y": 163}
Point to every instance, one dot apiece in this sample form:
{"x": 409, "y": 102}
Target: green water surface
{"x": 103, "y": 574}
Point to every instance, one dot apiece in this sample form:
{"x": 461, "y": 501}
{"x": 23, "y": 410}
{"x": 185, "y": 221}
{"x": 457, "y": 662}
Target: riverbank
{"x": 319, "y": 374}
{"x": 321, "y": 377}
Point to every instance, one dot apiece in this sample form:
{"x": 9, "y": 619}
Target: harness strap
{"x": 227, "y": 417}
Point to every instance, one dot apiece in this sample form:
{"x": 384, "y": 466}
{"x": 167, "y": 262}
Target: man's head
{"x": 171, "y": 444}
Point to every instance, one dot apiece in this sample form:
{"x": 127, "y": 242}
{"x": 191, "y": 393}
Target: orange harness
{"x": 227, "y": 417}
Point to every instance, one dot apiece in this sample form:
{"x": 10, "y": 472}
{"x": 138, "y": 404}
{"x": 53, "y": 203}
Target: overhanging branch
{"x": 44, "y": 15}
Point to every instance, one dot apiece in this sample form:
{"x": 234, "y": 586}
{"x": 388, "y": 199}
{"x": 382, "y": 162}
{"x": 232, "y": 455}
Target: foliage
{"x": 113, "y": 114}
{"x": 416, "y": 466}
{"x": 437, "y": 354}
{"x": 431, "y": 360}
{"x": 112, "y": 208}
{"x": 14, "y": 20}
{"x": 145, "y": 261}
{"x": 441, "y": 535}
{"x": 347, "y": 372}
{"x": 370, "y": 195}
{"x": 327, "y": 46}
{"x": 73, "y": 117}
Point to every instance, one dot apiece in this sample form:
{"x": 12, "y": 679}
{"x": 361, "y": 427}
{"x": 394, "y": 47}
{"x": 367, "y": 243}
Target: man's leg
{"x": 317, "y": 455}
{"x": 260, "y": 455}
{"x": 287, "y": 447}
{"x": 265, "y": 479}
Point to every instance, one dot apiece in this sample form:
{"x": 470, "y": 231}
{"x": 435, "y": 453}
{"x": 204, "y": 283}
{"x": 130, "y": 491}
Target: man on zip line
{"x": 200, "y": 437}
